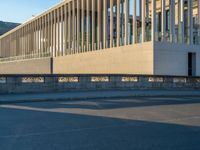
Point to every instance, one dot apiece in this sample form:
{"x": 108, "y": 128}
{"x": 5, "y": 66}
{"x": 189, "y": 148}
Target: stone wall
{"x": 37, "y": 83}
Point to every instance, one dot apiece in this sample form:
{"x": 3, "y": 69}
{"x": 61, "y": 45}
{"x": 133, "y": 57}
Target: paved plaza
{"x": 139, "y": 123}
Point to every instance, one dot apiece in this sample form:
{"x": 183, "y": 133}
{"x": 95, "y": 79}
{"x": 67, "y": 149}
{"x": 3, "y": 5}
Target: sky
{"x": 21, "y": 10}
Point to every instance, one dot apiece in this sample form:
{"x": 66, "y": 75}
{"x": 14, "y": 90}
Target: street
{"x": 139, "y": 123}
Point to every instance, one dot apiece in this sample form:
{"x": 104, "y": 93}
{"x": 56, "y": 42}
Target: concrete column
{"x": 190, "y": 21}
{"x": 78, "y": 26}
{"x": 40, "y": 36}
{"x": 198, "y": 22}
{"x": 58, "y": 31}
{"x": 118, "y": 23}
{"x": 111, "y": 23}
{"x": 163, "y": 28}
{"x": 69, "y": 28}
{"x": 143, "y": 20}
{"x": 65, "y": 31}
{"x": 44, "y": 38}
{"x": 43, "y": 35}
{"x": 36, "y": 39}
{"x": 83, "y": 25}
{"x": 172, "y": 21}
{"x": 40, "y": 52}
{"x": 105, "y": 31}
{"x": 88, "y": 25}
{"x": 134, "y": 22}
{"x": 73, "y": 27}
{"x": 61, "y": 43}
{"x": 55, "y": 38}
{"x": 153, "y": 20}
{"x": 46, "y": 34}
{"x": 23, "y": 44}
{"x": 93, "y": 24}
{"x": 179, "y": 22}
{"x": 49, "y": 33}
{"x": 99, "y": 24}
{"x": 52, "y": 34}
{"x": 126, "y": 42}
{"x": 182, "y": 21}
{"x": 0, "y": 48}
{"x": 26, "y": 41}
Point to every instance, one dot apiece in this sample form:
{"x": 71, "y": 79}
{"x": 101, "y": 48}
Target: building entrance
{"x": 191, "y": 64}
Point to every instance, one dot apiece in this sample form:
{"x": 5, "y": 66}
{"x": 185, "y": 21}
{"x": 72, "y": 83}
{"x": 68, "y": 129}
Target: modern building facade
{"x": 151, "y": 37}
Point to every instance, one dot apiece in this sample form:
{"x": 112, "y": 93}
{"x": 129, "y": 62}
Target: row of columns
{"x": 82, "y": 25}
{"x": 180, "y": 36}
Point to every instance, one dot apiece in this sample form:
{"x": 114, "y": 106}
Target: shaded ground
{"x": 154, "y": 123}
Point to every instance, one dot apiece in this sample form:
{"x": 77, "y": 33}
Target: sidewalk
{"x": 81, "y": 95}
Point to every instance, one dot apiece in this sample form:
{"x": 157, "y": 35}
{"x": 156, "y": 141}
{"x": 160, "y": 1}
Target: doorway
{"x": 191, "y": 64}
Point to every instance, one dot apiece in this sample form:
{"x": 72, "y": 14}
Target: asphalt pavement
{"x": 139, "y": 123}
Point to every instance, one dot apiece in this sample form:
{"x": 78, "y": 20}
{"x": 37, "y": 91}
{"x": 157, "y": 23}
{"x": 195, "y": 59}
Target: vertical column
{"x": 87, "y": 25}
{"x": 99, "y": 24}
{"x": 93, "y": 23}
{"x": 182, "y": 21}
{"x": 49, "y": 34}
{"x": 118, "y": 23}
{"x": 24, "y": 42}
{"x": 65, "y": 30}
{"x": 35, "y": 29}
{"x": 172, "y": 21}
{"x": 69, "y": 28}
{"x": 30, "y": 38}
{"x": 179, "y": 21}
{"x": 190, "y": 21}
{"x": 42, "y": 37}
{"x": 105, "y": 23}
{"x": 42, "y": 40}
{"x": 73, "y": 27}
{"x": 143, "y": 20}
{"x": 134, "y": 22}
{"x": 0, "y": 49}
{"x": 198, "y": 3}
{"x": 45, "y": 34}
{"x": 163, "y": 28}
{"x": 61, "y": 43}
{"x": 37, "y": 37}
{"x": 126, "y": 21}
{"x": 58, "y": 31}
{"x": 153, "y": 20}
{"x": 54, "y": 33}
{"x": 111, "y": 23}
{"x": 78, "y": 26}
{"x": 34, "y": 44}
{"x": 83, "y": 25}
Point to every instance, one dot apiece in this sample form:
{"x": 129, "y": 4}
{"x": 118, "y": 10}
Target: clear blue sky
{"x": 21, "y": 10}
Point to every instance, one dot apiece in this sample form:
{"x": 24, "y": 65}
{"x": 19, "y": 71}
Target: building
{"x": 151, "y": 37}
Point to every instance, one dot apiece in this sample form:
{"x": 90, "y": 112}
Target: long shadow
{"x": 113, "y": 103}
{"x": 34, "y": 130}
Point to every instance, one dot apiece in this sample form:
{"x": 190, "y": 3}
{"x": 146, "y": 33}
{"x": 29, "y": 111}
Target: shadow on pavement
{"x": 35, "y": 130}
{"x": 113, "y": 103}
